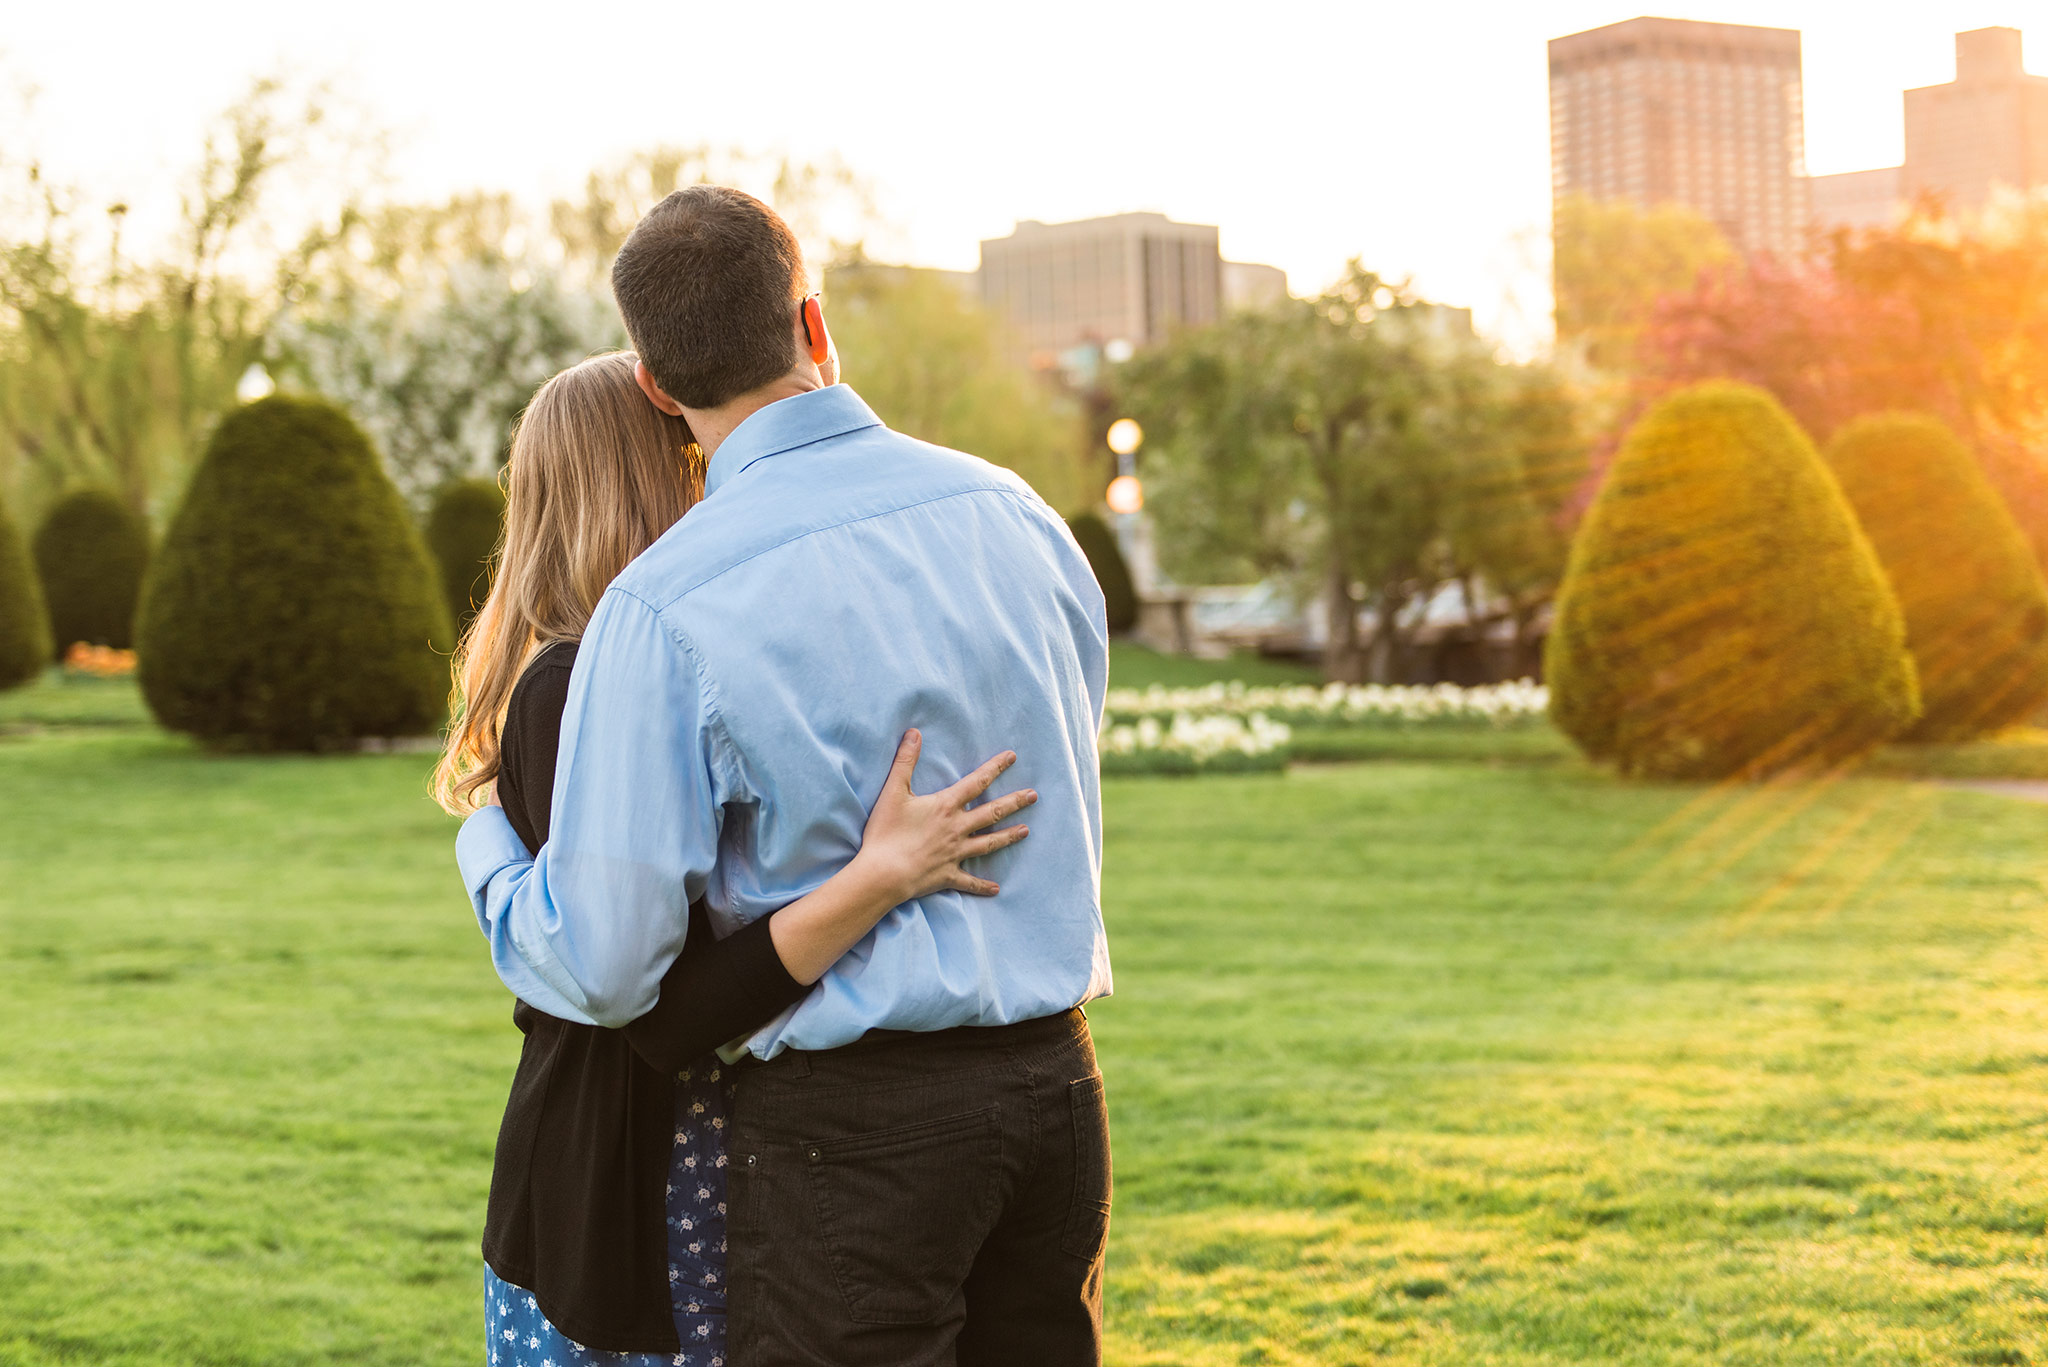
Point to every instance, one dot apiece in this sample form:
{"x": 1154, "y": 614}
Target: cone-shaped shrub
{"x": 1722, "y": 614}
{"x": 24, "y": 626}
{"x": 91, "y": 553}
{"x": 1106, "y": 558}
{"x": 1975, "y": 606}
{"x": 291, "y": 605}
{"x": 463, "y": 528}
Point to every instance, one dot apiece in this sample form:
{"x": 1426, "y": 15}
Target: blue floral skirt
{"x": 518, "y": 1335}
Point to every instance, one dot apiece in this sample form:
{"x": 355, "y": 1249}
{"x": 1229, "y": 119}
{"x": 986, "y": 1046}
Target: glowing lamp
{"x": 1125, "y": 436}
{"x": 1125, "y": 495}
{"x": 255, "y": 384}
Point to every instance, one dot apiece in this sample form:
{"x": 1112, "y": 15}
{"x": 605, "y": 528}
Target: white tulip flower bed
{"x": 1190, "y": 743}
{"x": 1341, "y": 705}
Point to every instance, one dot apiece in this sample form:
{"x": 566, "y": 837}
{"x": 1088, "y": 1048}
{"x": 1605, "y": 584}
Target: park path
{"x": 2025, "y": 789}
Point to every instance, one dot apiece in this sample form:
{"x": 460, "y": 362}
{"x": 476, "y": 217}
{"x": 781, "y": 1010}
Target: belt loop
{"x": 799, "y": 1062}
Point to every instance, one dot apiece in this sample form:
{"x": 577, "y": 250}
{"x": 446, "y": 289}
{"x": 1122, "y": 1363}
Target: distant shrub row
{"x": 1738, "y": 604}
{"x": 292, "y": 604}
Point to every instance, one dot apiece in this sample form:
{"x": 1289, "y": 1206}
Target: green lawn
{"x": 71, "y": 700}
{"x": 1134, "y": 666}
{"x": 1412, "y": 1063}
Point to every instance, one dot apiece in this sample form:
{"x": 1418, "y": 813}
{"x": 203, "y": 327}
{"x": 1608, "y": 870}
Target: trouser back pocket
{"x": 903, "y": 1211}
{"x": 1088, "y": 1218}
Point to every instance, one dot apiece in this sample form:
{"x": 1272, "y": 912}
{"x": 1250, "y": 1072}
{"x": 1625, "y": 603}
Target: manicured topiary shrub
{"x": 291, "y": 605}
{"x": 1975, "y": 606}
{"x": 462, "y": 533}
{"x": 1722, "y": 615}
{"x": 91, "y": 553}
{"x": 1106, "y": 558}
{"x": 24, "y": 626}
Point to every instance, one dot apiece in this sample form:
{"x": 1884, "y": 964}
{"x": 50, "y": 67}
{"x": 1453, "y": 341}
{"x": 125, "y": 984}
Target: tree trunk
{"x": 1528, "y": 657}
{"x": 1384, "y": 663}
{"x": 1341, "y": 658}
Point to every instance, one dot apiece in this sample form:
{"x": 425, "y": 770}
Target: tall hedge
{"x": 463, "y": 528}
{"x": 24, "y": 625}
{"x": 91, "y": 553}
{"x": 292, "y": 606}
{"x": 1106, "y": 558}
{"x": 1975, "y": 605}
{"x": 1722, "y": 614}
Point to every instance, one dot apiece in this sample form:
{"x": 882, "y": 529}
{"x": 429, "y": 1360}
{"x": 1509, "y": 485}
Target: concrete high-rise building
{"x": 1857, "y": 199}
{"x": 1128, "y": 278}
{"x": 1247, "y": 285}
{"x": 1984, "y": 131}
{"x": 1986, "y": 128}
{"x": 1668, "y": 111}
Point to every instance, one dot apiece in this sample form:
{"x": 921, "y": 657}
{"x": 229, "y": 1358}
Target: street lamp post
{"x": 1126, "y": 495}
{"x": 1126, "y": 499}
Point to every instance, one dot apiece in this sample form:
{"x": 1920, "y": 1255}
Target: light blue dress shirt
{"x": 739, "y": 695}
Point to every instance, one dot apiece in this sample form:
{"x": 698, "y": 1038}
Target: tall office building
{"x": 1668, "y": 111}
{"x": 1985, "y": 130}
{"x": 1857, "y": 199}
{"x": 1130, "y": 278}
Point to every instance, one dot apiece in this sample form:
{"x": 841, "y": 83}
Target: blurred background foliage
{"x": 933, "y": 362}
{"x": 1360, "y": 450}
{"x": 1366, "y": 448}
{"x": 431, "y": 323}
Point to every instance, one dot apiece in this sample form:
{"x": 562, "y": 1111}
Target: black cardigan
{"x": 579, "y": 1186}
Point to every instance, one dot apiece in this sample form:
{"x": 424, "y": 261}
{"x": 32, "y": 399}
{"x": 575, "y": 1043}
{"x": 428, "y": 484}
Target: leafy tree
{"x": 1824, "y": 349}
{"x": 464, "y": 528}
{"x": 1940, "y": 315}
{"x": 1613, "y": 262}
{"x": 1723, "y": 615}
{"x": 1975, "y": 606}
{"x": 91, "y": 552}
{"x": 292, "y": 606}
{"x": 1225, "y": 483}
{"x": 1106, "y": 558}
{"x": 1341, "y": 442}
{"x": 110, "y": 368}
{"x": 824, "y": 203}
{"x": 933, "y": 363}
{"x": 1974, "y": 301}
{"x": 24, "y": 626}
{"x": 434, "y": 326}
{"x": 1510, "y": 525}
{"x": 434, "y": 323}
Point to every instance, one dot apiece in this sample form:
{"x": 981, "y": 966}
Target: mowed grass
{"x": 1135, "y": 666}
{"x": 1410, "y": 1063}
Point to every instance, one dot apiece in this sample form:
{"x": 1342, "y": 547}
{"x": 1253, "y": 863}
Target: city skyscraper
{"x": 1670, "y": 111}
{"x": 1986, "y": 129}
{"x": 1127, "y": 278}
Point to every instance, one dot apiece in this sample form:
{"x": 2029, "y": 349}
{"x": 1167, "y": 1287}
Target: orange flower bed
{"x": 102, "y": 662}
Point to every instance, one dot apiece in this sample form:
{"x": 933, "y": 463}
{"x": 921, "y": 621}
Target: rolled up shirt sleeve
{"x": 585, "y": 928}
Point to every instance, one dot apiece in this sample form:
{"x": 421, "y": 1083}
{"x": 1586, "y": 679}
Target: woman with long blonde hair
{"x": 605, "y": 1235}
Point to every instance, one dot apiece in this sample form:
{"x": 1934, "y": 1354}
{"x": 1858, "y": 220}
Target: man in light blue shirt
{"x": 924, "y": 1130}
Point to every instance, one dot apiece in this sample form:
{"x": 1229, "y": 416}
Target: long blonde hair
{"x": 597, "y": 474}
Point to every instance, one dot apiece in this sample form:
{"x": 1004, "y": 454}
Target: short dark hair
{"x": 708, "y": 284}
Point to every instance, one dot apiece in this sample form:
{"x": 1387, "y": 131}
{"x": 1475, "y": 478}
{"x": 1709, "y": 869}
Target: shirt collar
{"x": 785, "y": 425}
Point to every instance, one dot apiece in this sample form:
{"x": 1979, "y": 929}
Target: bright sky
{"x": 1414, "y": 134}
